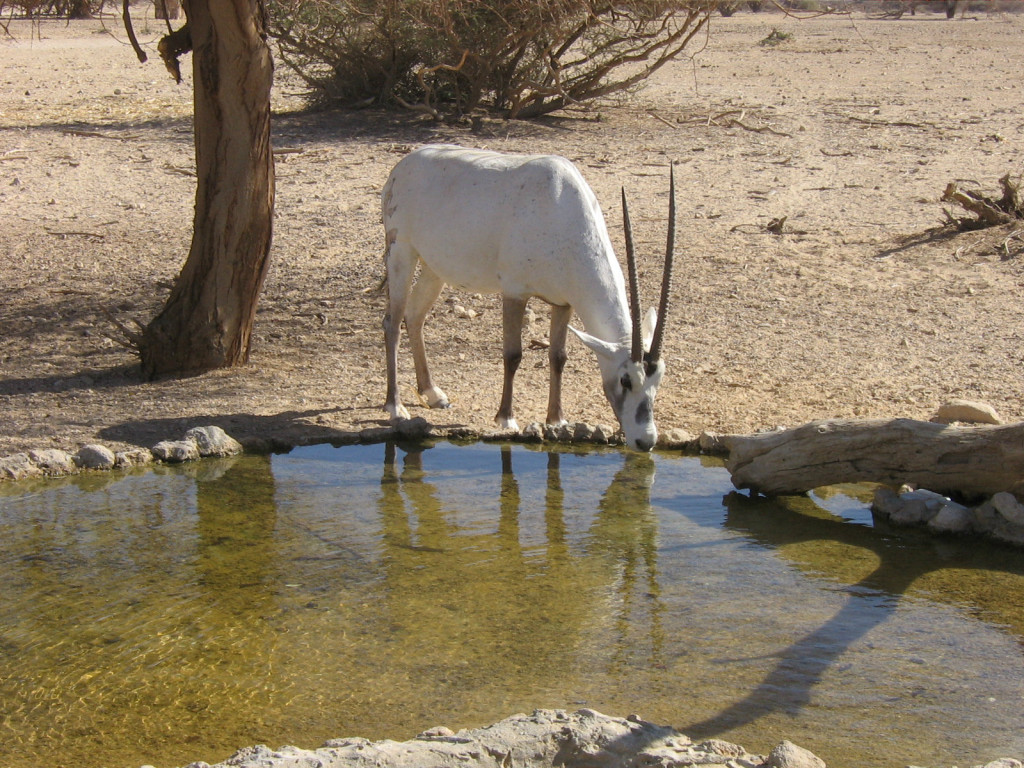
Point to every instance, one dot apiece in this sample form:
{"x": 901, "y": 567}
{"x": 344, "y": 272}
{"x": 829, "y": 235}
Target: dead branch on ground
{"x": 989, "y": 212}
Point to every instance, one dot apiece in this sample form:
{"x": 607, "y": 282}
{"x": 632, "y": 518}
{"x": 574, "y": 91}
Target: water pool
{"x": 176, "y": 614}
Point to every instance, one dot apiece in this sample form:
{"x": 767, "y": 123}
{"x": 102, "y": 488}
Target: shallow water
{"x": 177, "y": 614}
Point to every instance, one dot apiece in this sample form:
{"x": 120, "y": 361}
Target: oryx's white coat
{"x": 521, "y": 226}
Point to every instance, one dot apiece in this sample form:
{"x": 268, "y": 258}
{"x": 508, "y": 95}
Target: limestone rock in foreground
{"x": 789, "y": 755}
{"x": 582, "y": 739}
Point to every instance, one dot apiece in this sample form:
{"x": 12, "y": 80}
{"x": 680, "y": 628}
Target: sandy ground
{"x": 862, "y": 307}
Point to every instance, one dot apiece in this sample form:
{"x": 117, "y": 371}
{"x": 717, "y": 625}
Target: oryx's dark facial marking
{"x": 643, "y": 411}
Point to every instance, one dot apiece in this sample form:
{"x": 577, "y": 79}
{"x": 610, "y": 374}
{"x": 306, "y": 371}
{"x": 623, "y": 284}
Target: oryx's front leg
{"x": 560, "y": 317}
{"x": 512, "y": 310}
{"x": 400, "y": 263}
{"x": 424, "y": 294}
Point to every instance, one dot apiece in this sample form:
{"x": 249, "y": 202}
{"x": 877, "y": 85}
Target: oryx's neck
{"x": 608, "y": 319}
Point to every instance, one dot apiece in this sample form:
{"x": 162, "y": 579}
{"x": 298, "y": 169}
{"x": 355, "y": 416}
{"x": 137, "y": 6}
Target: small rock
{"x": 674, "y": 438}
{"x": 134, "y": 457}
{"x": 967, "y": 411}
{"x": 53, "y": 461}
{"x": 376, "y": 434}
{"x": 414, "y": 428}
{"x": 789, "y": 755}
{"x": 18, "y": 467}
{"x": 918, "y": 506}
{"x": 952, "y": 518}
{"x": 213, "y": 441}
{"x": 712, "y": 443}
{"x": 986, "y": 517}
{"x": 724, "y": 748}
{"x": 886, "y": 501}
{"x": 1006, "y": 504}
{"x": 95, "y": 456}
{"x": 582, "y": 432}
{"x": 533, "y": 432}
{"x": 176, "y": 451}
{"x": 1005, "y": 762}
{"x": 602, "y": 433}
{"x": 437, "y": 732}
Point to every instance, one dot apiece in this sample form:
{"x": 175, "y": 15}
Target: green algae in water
{"x": 176, "y": 615}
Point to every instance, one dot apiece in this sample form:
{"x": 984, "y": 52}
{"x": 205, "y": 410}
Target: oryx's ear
{"x": 650, "y": 322}
{"x": 601, "y": 348}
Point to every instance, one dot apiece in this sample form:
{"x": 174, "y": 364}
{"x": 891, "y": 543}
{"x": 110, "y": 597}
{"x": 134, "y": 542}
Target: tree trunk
{"x": 965, "y": 460}
{"x": 207, "y": 321}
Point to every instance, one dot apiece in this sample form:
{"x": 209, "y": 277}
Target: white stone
{"x": 1006, "y": 504}
{"x": 967, "y": 411}
{"x": 674, "y": 438}
{"x": 213, "y": 441}
{"x": 133, "y": 457}
{"x": 789, "y": 755}
{"x": 533, "y": 431}
{"x": 176, "y": 451}
{"x": 886, "y": 501}
{"x": 582, "y": 432}
{"x": 53, "y": 461}
{"x": 95, "y": 456}
{"x": 582, "y": 739}
{"x": 18, "y": 467}
{"x": 952, "y": 518}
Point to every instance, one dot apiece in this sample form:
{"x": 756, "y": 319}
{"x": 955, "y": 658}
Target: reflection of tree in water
{"x": 476, "y": 607}
{"x": 233, "y": 647}
{"x": 237, "y": 514}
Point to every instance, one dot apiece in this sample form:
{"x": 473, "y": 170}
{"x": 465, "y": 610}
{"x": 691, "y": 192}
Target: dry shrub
{"x": 64, "y": 9}
{"x": 519, "y": 58}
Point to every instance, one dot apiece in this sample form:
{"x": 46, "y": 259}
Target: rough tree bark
{"x": 208, "y": 318}
{"x": 981, "y": 460}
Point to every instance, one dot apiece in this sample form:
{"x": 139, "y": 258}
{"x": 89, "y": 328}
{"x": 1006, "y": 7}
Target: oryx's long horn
{"x": 637, "y": 350}
{"x": 666, "y": 280}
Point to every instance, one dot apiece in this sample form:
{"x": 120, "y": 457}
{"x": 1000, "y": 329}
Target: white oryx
{"x": 521, "y": 226}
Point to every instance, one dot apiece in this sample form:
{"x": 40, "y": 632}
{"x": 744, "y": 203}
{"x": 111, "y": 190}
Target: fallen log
{"x": 966, "y": 461}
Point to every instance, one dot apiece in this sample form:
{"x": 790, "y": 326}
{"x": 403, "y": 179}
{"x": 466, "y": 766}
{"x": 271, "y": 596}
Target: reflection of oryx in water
{"x": 460, "y": 584}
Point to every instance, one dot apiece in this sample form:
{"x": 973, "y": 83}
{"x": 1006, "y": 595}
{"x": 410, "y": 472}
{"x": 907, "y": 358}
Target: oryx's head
{"x": 631, "y": 373}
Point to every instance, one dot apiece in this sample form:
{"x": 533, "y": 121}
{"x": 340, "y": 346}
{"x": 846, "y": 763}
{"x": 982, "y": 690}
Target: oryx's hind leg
{"x": 560, "y": 317}
{"x": 424, "y": 294}
{"x": 400, "y": 263}
{"x": 512, "y": 311}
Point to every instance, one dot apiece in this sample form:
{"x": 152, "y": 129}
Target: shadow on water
{"x": 819, "y": 543}
{"x": 379, "y": 590}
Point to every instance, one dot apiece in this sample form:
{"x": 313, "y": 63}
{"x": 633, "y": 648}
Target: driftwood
{"x": 990, "y": 212}
{"x": 967, "y": 461}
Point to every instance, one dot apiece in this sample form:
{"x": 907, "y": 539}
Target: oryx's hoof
{"x": 504, "y": 424}
{"x": 435, "y": 398}
{"x": 397, "y": 412}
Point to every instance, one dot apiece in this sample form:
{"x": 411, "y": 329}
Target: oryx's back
{"x": 493, "y": 222}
